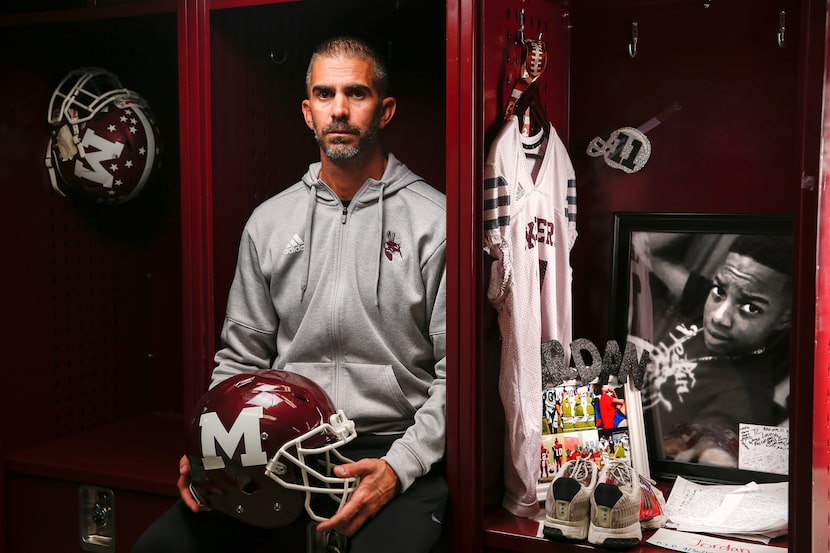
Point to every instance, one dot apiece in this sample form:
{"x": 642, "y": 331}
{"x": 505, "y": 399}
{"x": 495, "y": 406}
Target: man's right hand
{"x": 184, "y": 485}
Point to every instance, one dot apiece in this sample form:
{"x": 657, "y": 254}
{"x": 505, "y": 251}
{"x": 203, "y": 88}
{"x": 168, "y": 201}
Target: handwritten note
{"x": 764, "y": 448}
{"x": 696, "y": 543}
{"x": 750, "y": 509}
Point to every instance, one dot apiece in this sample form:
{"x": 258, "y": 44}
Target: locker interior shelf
{"x": 505, "y": 531}
{"x": 138, "y": 454}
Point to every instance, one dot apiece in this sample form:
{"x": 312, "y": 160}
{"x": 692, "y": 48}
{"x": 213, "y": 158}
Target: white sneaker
{"x": 615, "y": 508}
{"x": 568, "y": 502}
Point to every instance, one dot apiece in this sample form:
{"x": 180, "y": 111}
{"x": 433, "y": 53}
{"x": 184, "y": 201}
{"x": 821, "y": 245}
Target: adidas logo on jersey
{"x": 295, "y": 245}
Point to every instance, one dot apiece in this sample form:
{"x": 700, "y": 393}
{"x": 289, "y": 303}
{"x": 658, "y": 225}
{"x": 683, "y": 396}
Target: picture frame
{"x": 713, "y": 325}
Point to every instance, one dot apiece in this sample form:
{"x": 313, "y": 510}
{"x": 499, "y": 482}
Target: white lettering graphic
{"x": 670, "y": 363}
{"x": 245, "y": 426}
{"x": 106, "y": 151}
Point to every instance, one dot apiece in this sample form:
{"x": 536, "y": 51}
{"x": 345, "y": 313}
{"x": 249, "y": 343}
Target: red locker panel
{"x": 96, "y": 288}
{"x": 734, "y": 145}
{"x": 732, "y": 104}
{"x": 44, "y": 514}
{"x": 821, "y": 417}
{"x": 93, "y": 292}
{"x": 726, "y": 143}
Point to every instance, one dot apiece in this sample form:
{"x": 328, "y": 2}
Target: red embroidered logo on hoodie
{"x": 391, "y": 247}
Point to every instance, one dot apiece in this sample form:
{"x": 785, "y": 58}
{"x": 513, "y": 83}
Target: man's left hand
{"x": 378, "y": 484}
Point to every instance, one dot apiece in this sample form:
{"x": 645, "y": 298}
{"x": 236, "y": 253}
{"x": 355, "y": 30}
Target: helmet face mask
{"x": 104, "y": 144}
{"x": 305, "y": 452}
{"x": 261, "y": 445}
{"x": 81, "y": 94}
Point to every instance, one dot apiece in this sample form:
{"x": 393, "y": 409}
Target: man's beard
{"x": 338, "y": 151}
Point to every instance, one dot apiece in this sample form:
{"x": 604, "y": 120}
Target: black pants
{"x": 410, "y": 523}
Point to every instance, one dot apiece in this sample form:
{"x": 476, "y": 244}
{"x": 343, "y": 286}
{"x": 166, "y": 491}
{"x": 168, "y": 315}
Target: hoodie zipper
{"x": 335, "y": 326}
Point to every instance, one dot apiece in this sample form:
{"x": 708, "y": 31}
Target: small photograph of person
{"x": 714, "y": 313}
{"x": 611, "y": 411}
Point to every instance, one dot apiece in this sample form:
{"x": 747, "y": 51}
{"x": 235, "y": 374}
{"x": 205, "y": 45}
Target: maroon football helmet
{"x": 261, "y": 443}
{"x": 104, "y": 142}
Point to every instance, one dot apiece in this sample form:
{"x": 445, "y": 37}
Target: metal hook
{"x": 273, "y": 58}
{"x": 632, "y": 46}
{"x": 782, "y": 27}
{"x": 522, "y": 26}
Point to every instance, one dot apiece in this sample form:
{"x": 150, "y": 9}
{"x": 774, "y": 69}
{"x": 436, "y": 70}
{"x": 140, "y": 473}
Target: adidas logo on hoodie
{"x": 295, "y": 245}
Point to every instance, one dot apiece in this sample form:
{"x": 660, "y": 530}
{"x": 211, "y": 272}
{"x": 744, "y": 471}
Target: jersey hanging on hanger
{"x": 529, "y": 230}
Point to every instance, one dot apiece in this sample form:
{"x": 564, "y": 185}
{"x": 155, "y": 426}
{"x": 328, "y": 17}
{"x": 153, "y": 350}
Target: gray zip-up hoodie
{"x": 353, "y": 298}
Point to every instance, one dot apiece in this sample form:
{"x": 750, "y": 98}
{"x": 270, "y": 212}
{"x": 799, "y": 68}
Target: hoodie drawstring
{"x": 382, "y": 243}
{"x": 309, "y": 216}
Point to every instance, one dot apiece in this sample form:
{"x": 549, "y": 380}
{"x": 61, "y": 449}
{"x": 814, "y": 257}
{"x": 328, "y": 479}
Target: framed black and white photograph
{"x": 708, "y": 297}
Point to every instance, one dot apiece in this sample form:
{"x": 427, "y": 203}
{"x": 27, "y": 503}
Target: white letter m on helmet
{"x": 246, "y": 426}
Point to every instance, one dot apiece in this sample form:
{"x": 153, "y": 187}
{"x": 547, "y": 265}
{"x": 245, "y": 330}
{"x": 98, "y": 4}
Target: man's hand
{"x": 378, "y": 484}
{"x": 184, "y": 485}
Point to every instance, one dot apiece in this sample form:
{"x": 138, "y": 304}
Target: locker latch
{"x": 96, "y": 519}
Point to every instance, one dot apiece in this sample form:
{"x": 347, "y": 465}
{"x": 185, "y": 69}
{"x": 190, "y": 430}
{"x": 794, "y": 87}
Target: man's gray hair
{"x": 351, "y": 47}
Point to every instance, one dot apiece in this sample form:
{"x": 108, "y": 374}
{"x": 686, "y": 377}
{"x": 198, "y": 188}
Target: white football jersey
{"x": 529, "y": 230}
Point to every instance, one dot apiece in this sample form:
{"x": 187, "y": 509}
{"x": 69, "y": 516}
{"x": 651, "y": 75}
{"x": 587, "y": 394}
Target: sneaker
{"x": 615, "y": 508}
{"x": 568, "y": 501}
{"x": 652, "y": 504}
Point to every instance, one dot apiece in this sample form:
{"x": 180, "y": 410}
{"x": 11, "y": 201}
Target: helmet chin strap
{"x": 53, "y": 179}
{"x": 68, "y": 143}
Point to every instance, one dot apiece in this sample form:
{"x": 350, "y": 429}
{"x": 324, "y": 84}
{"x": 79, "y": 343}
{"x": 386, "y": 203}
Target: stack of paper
{"x": 752, "y": 511}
